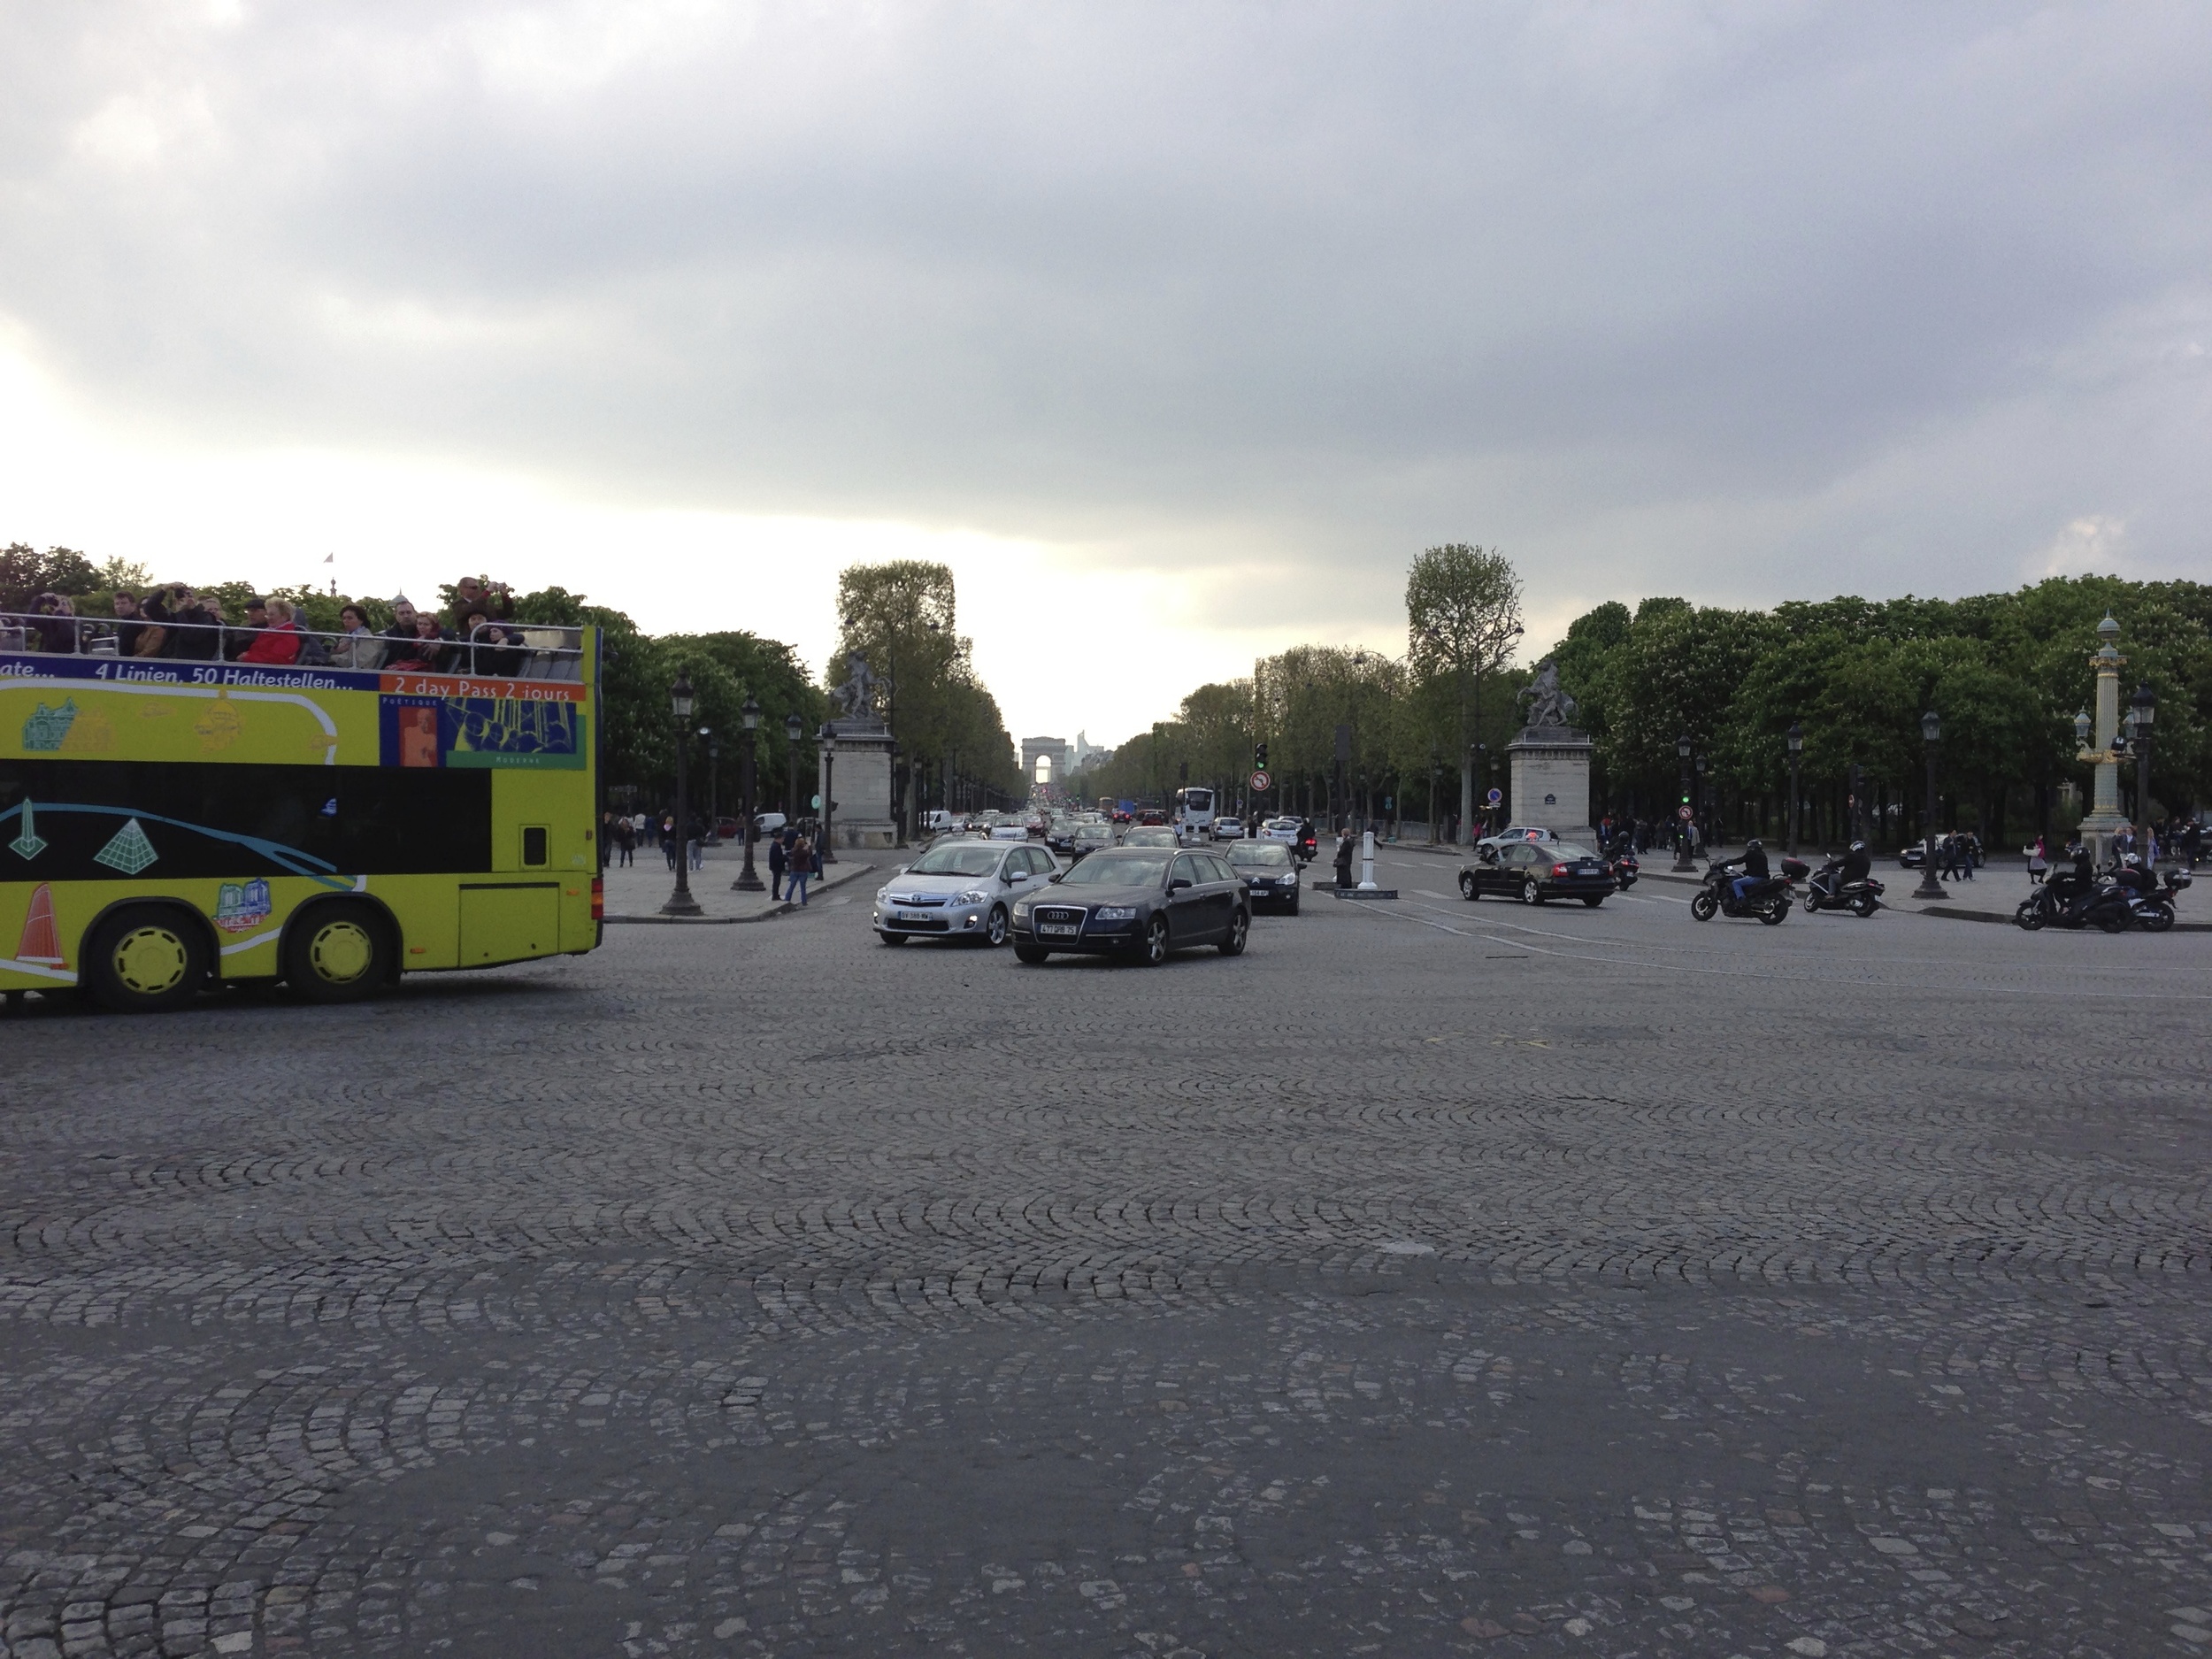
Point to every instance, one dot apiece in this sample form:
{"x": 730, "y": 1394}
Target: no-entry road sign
{"x": 1260, "y": 780}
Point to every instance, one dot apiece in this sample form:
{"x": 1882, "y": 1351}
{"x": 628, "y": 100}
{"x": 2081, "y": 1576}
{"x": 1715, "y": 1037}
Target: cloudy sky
{"x": 1215, "y": 313}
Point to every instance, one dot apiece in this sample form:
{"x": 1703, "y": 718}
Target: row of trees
{"x": 954, "y": 749}
{"x": 1426, "y": 727}
{"x": 2005, "y": 673}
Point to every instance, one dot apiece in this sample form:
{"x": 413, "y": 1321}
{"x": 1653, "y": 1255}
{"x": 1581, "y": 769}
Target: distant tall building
{"x": 1088, "y": 755}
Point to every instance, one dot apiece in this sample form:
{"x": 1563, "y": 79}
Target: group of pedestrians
{"x": 794, "y": 858}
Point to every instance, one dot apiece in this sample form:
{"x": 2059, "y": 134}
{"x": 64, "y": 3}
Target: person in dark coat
{"x": 776, "y": 863}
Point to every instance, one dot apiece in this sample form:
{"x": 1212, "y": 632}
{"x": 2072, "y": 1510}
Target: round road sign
{"x": 1683, "y": 812}
{"x": 1260, "y": 780}
{"x": 1495, "y": 797}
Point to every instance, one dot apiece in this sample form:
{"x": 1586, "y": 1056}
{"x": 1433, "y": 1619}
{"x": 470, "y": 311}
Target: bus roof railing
{"x": 519, "y": 650}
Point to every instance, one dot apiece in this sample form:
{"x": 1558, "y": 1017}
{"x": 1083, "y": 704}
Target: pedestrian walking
{"x": 2039, "y": 862}
{"x": 801, "y": 871}
{"x": 776, "y": 866}
{"x": 625, "y": 839}
{"x": 1344, "y": 858}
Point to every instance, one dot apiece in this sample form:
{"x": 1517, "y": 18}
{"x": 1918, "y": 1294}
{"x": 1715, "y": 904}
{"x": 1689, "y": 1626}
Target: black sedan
{"x": 1534, "y": 871}
{"x": 1269, "y": 871}
{"x": 1141, "y": 903}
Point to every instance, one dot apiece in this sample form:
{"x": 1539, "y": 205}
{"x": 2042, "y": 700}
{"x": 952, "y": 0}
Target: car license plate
{"x": 1066, "y": 929}
{"x": 911, "y": 916}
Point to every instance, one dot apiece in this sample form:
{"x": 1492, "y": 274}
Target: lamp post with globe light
{"x": 794, "y": 732}
{"x": 1681, "y": 819}
{"x": 2144, "y": 705}
{"x": 748, "y": 785}
{"x": 680, "y": 902}
{"x": 1931, "y": 734}
{"x": 1797, "y": 751}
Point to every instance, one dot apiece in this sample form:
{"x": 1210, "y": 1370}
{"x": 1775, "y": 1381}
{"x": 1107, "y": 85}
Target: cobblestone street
{"x": 1436, "y": 1278}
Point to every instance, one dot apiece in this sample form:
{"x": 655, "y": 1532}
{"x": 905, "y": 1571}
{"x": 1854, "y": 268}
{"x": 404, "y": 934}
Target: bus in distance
{"x": 1193, "y": 812}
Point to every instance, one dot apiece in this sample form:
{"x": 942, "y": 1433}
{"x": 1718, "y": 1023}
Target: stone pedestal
{"x": 1551, "y": 782}
{"x": 859, "y": 781}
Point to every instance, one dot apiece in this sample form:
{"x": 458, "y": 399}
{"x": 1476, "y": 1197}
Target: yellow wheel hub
{"x": 341, "y": 952}
{"x": 151, "y": 960}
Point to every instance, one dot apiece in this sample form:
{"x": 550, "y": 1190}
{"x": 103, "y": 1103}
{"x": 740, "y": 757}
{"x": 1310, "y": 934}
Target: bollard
{"x": 1367, "y": 861}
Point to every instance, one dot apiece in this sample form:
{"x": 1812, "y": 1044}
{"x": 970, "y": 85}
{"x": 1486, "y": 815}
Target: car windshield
{"x": 960, "y": 858}
{"x": 1094, "y": 832}
{"x": 1151, "y": 838}
{"x": 1119, "y": 869}
{"x": 1259, "y": 853}
{"x": 1566, "y": 852}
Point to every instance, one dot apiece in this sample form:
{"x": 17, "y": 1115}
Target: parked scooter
{"x": 1769, "y": 900}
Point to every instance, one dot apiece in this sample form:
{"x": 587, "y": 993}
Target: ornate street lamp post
{"x": 829, "y": 772}
{"x": 1797, "y": 750}
{"x": 1681, "y": 819}
{"x": 793, "y": 732}
{"x": 1931, "y": 734}
{"x": 749, "y": 786}
{"x": 714, "y": 787}
{"x": 680, "y": 902}
{"x": 2145, "y": 704}
{"x": 2104, "y": 818}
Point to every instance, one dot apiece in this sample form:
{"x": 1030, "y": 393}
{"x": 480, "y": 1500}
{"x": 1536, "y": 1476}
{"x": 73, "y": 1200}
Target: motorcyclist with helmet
{"x": 1754, "y": 868}
{"x": 2074, "y": 887}
{"x": 1858, "y": 864}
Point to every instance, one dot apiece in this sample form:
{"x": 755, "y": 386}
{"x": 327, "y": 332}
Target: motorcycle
{"x": 2111, "y": 907}
{"x": 1769, "y": 900}
{"x": 1626, "y": 869}
{"x": 1827, "y": 890}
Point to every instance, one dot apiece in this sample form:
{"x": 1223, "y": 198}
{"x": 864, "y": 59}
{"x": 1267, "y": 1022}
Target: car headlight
{"x": 883, "y": 896}
{"x": 1116, "y": 913}
{"x": 1021, "y": 911}
{"x": 974, "y": 895}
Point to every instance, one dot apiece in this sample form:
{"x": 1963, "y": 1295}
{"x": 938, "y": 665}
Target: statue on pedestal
{"x": 858, "y": 693}
{"x": 1549, "y": 705}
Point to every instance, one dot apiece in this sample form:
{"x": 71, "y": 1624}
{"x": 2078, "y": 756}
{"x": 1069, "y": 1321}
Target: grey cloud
{"x": 1713, "y": 286}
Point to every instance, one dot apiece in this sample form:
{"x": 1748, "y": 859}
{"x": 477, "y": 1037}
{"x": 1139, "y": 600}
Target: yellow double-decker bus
{"x": 168, "y": 823}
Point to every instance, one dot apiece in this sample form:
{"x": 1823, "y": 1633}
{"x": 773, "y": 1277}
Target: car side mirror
{"x": 1054, "y": 876}
{"x": 1179, "y": 884}
{"x": 1018, "y": 875}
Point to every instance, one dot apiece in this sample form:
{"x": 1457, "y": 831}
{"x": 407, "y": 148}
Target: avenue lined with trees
{"x": 2006, "y": 674}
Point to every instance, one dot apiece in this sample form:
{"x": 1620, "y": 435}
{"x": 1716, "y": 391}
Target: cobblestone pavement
{"x": 1433, "y": 1279}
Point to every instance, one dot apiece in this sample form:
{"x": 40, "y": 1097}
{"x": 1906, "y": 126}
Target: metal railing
{"x": 493, "y": 651}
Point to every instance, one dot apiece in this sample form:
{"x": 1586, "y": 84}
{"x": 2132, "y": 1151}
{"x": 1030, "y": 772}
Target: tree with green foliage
{"x": 1463, "y": 618}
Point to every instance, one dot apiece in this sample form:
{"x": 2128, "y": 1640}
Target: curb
{"x": 839, "y": 881}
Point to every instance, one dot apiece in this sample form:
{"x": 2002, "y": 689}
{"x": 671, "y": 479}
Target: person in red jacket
{"x": 280, "y": 641}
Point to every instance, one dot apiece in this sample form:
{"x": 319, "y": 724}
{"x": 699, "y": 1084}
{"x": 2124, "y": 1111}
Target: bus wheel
{"x": 145, "y": 959}
{"x": 337, "y": 953}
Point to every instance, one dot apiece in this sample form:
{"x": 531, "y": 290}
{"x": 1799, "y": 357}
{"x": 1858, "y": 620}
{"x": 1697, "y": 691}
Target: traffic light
{"x": 1184, "y": 771}
{"x": 1259, "y": 757}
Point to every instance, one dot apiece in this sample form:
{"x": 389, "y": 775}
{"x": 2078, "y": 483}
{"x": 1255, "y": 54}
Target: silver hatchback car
{"x": 960, "y": 890}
